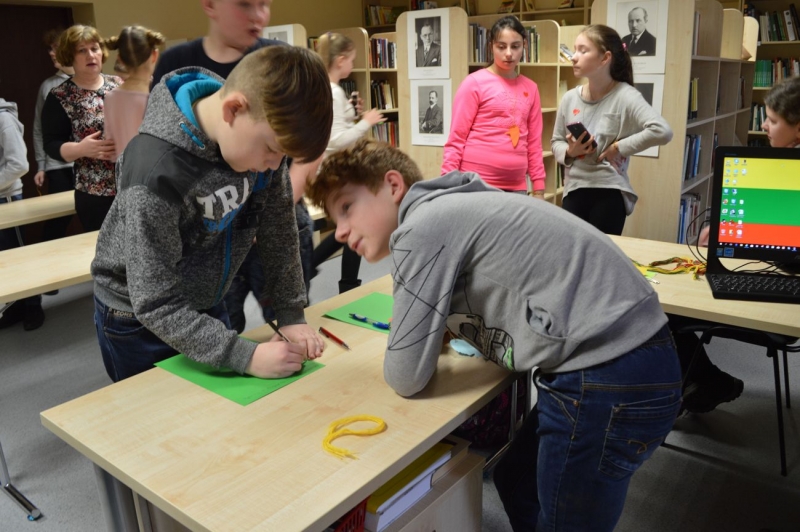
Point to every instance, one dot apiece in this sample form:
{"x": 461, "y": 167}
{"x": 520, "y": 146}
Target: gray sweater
{"x": 43, "y": 161}
{"x": 525, "y": 282}
{"x": 622, "y": 115}
{"x": 182, "y": 223}
{"x": 13, "y": 154}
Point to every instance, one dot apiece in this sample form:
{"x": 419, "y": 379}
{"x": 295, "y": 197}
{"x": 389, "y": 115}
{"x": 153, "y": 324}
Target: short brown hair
{"x": 289, "y": 87}
{"x": 72, "y": 37}
{"x": 364, "y": 163}
{"x": 784, "y": 100}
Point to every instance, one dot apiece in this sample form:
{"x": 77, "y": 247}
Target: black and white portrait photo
{"x": 642, "y": 25}
{"x": 428, "y": 36}
{"x": 283, "y": 33}
{"x": 651, "y": 86}
{"x": 430, "y": 109}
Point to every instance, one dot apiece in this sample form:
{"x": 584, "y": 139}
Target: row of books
{"x": 382, "y": 53}
{"x": 758, "y": 113}
{"x": 778, "y": 25}
{"x": 382, "y": 94}
{"x": 693, "y": 98}
{"x": 478, "y": 44}
{"x": 772, "y": 71}
{"x": 530, "y": 54}
{"x": 387, "y": 132}
{"x": 687, "y": 212}
{"x": 691, "y": 156}
{"x": 424, "y": 4}
{"x": 377, "y": 15}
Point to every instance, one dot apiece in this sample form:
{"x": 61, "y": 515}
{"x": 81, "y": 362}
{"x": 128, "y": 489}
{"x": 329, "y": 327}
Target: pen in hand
{"x": 327, "y": 334}
{"x": 278, "y": 332}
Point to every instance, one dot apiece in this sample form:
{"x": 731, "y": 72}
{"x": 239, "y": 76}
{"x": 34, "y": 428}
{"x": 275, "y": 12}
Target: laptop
{"x": 755, "y": 216}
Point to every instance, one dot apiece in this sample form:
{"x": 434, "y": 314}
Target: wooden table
{"x": 39, "y": 268}
{"x": 680, "y": 294}
{"x": 38, "y": 209}
{"x": 214, "y": 465}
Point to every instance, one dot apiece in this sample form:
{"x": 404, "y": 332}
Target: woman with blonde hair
{"x": 73, "y": 122}
{"x": 137, "y": 49}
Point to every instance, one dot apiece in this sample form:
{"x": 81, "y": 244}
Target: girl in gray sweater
{"x": 619, "y": 122}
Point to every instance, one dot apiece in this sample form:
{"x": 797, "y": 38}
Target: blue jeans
{"x": 130, "y": 348}
{"x": 569, "y": 467}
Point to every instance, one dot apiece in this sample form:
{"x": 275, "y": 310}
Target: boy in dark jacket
{"x": 200, "y": 181}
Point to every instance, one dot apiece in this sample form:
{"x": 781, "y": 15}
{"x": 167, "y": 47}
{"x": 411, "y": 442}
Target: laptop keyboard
{"x": 755, "y": 287}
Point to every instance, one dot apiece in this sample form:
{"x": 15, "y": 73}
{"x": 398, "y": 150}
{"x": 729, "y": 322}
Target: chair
{"x": 772, "y": 342}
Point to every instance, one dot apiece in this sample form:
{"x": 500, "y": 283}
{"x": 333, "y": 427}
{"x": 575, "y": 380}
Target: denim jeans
{"x": 569, "y": 467}
{"x": 130, "y": 348}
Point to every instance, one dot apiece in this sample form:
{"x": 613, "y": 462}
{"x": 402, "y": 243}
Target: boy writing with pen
{"x": 529, "y": 286}
{"x": 200, "y": 181}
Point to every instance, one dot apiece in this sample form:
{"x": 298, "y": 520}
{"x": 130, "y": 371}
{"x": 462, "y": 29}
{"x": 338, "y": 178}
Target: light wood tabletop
{"x": 680, "y": 294}
{"x": 39, "y": 268}
{"x": 40, "y": 208}
{"x": 212, "y": 464}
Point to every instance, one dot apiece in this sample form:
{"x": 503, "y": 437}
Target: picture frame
{"x": 424, "y": 133}
{"x": 648, "y": 50}
{"x": 433, "y": 25}
{"x": 651, "y": 86}
{"x": 283, "y": 33}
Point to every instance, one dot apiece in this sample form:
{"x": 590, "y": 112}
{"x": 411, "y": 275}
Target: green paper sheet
{"x": 242, "y": 389}
{"x": 376, "y": 306}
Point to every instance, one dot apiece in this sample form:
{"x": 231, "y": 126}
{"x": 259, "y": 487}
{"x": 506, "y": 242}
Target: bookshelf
{"x": 526, "y": 10}
{"x": 723, "y": 108}
{"x": 365, "y": 77}
{"x": 772, "y": 48}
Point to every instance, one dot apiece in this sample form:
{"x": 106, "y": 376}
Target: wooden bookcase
{"x": 363, "y": 75}
{"x": 659, "y": 182}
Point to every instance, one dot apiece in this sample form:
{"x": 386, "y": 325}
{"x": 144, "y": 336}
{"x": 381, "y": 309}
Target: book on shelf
{"x": 566, "y": 4}
{"x": 688, "y": 228}
{"x": 313, "y": 42}
{"x": 696, "y": 32}
{"x": 506, "y": 6}
{"x": 404, "y": 489}
{"x": 457, "y": 454}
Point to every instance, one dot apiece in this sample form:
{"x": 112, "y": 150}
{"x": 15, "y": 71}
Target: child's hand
{"x": 307, "y": 337}
{"x": 39, "y": 178}
{"x": 580, "y": 147}
{"x": 373, "y": 116}
{"x": 613, "y": 156}
{"x": 275, "y": 360}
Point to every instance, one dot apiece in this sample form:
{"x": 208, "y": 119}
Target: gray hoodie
{"x": 13, "y": 154}
{"x": 182, "y": 223}
{"x": 526, "y": 283}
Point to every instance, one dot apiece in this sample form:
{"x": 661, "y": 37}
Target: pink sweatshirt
{"x": 486, "y": 106}
{"x": 124, "y": 111}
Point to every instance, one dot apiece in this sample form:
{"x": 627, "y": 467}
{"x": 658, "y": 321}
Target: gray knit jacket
{"x": 182, "y": 223}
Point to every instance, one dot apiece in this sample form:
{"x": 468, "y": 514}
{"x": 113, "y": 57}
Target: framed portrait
{"x": 643, "y": 28}
{"x": 428, "y": 44}
{"x": 430, "y": 111}
{"x": 284, "y": 33}
{"x": 652, "y": 88}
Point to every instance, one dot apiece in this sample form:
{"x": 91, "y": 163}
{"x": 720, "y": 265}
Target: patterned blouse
{"x": 70, "y": 114}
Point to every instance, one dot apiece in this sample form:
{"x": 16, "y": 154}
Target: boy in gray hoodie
{"x": 529, "y": 286}
{"x": 14, "y": 165}
{"x": 201, "y": 180}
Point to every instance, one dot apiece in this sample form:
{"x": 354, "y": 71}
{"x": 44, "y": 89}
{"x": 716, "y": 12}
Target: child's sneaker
{"x": 718, "y": 388}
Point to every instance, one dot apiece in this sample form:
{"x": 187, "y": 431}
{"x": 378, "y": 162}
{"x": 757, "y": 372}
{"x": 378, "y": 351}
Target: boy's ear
{"x": 397, "y": 185}
{"x": 208, "y": 7}
{"x": 233, "y": 104}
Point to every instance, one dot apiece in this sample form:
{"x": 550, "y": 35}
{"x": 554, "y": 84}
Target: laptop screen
{"x": 755, "y": 204}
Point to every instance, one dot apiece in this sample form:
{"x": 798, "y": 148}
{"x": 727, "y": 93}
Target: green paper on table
{"x": 374, "y": 306}
{"x": 242, "y": 389}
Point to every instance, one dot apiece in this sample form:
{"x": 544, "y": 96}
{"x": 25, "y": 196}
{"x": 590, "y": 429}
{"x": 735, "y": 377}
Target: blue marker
{"x": 376, "y": 324}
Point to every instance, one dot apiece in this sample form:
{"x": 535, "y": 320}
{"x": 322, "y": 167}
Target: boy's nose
{"x": 342, "y": 232}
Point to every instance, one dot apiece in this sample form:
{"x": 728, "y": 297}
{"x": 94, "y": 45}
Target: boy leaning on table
{"x": 200, "y": 181}
{"x": 530, "y": 286}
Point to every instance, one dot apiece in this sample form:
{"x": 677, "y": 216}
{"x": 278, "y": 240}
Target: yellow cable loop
{"x": 337, "y": 430}
{"x": 683, "y": 265}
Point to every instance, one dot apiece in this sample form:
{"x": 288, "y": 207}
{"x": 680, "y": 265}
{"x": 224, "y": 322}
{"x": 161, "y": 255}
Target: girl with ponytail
{"x": 618, "y": 122}
{"x": 137, "y": 49}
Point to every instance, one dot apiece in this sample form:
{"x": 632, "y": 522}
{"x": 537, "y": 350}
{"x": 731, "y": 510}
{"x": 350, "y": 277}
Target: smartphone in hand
{"x": 354, "y": 98}
{"x": 577, "y": 129}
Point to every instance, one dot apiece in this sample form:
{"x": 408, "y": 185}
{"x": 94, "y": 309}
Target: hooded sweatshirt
{"x": 182, "y": 223}
{"x": 524, "y": 282}
{"x": 13, "y": 154}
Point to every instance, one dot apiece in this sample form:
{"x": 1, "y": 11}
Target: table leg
{"x": 32, "y": 511}
{"x": 116, "y": 502}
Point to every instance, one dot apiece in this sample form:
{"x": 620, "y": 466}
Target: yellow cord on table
{"x": 683, "y": 265}
{"x": 336, "y": 430}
